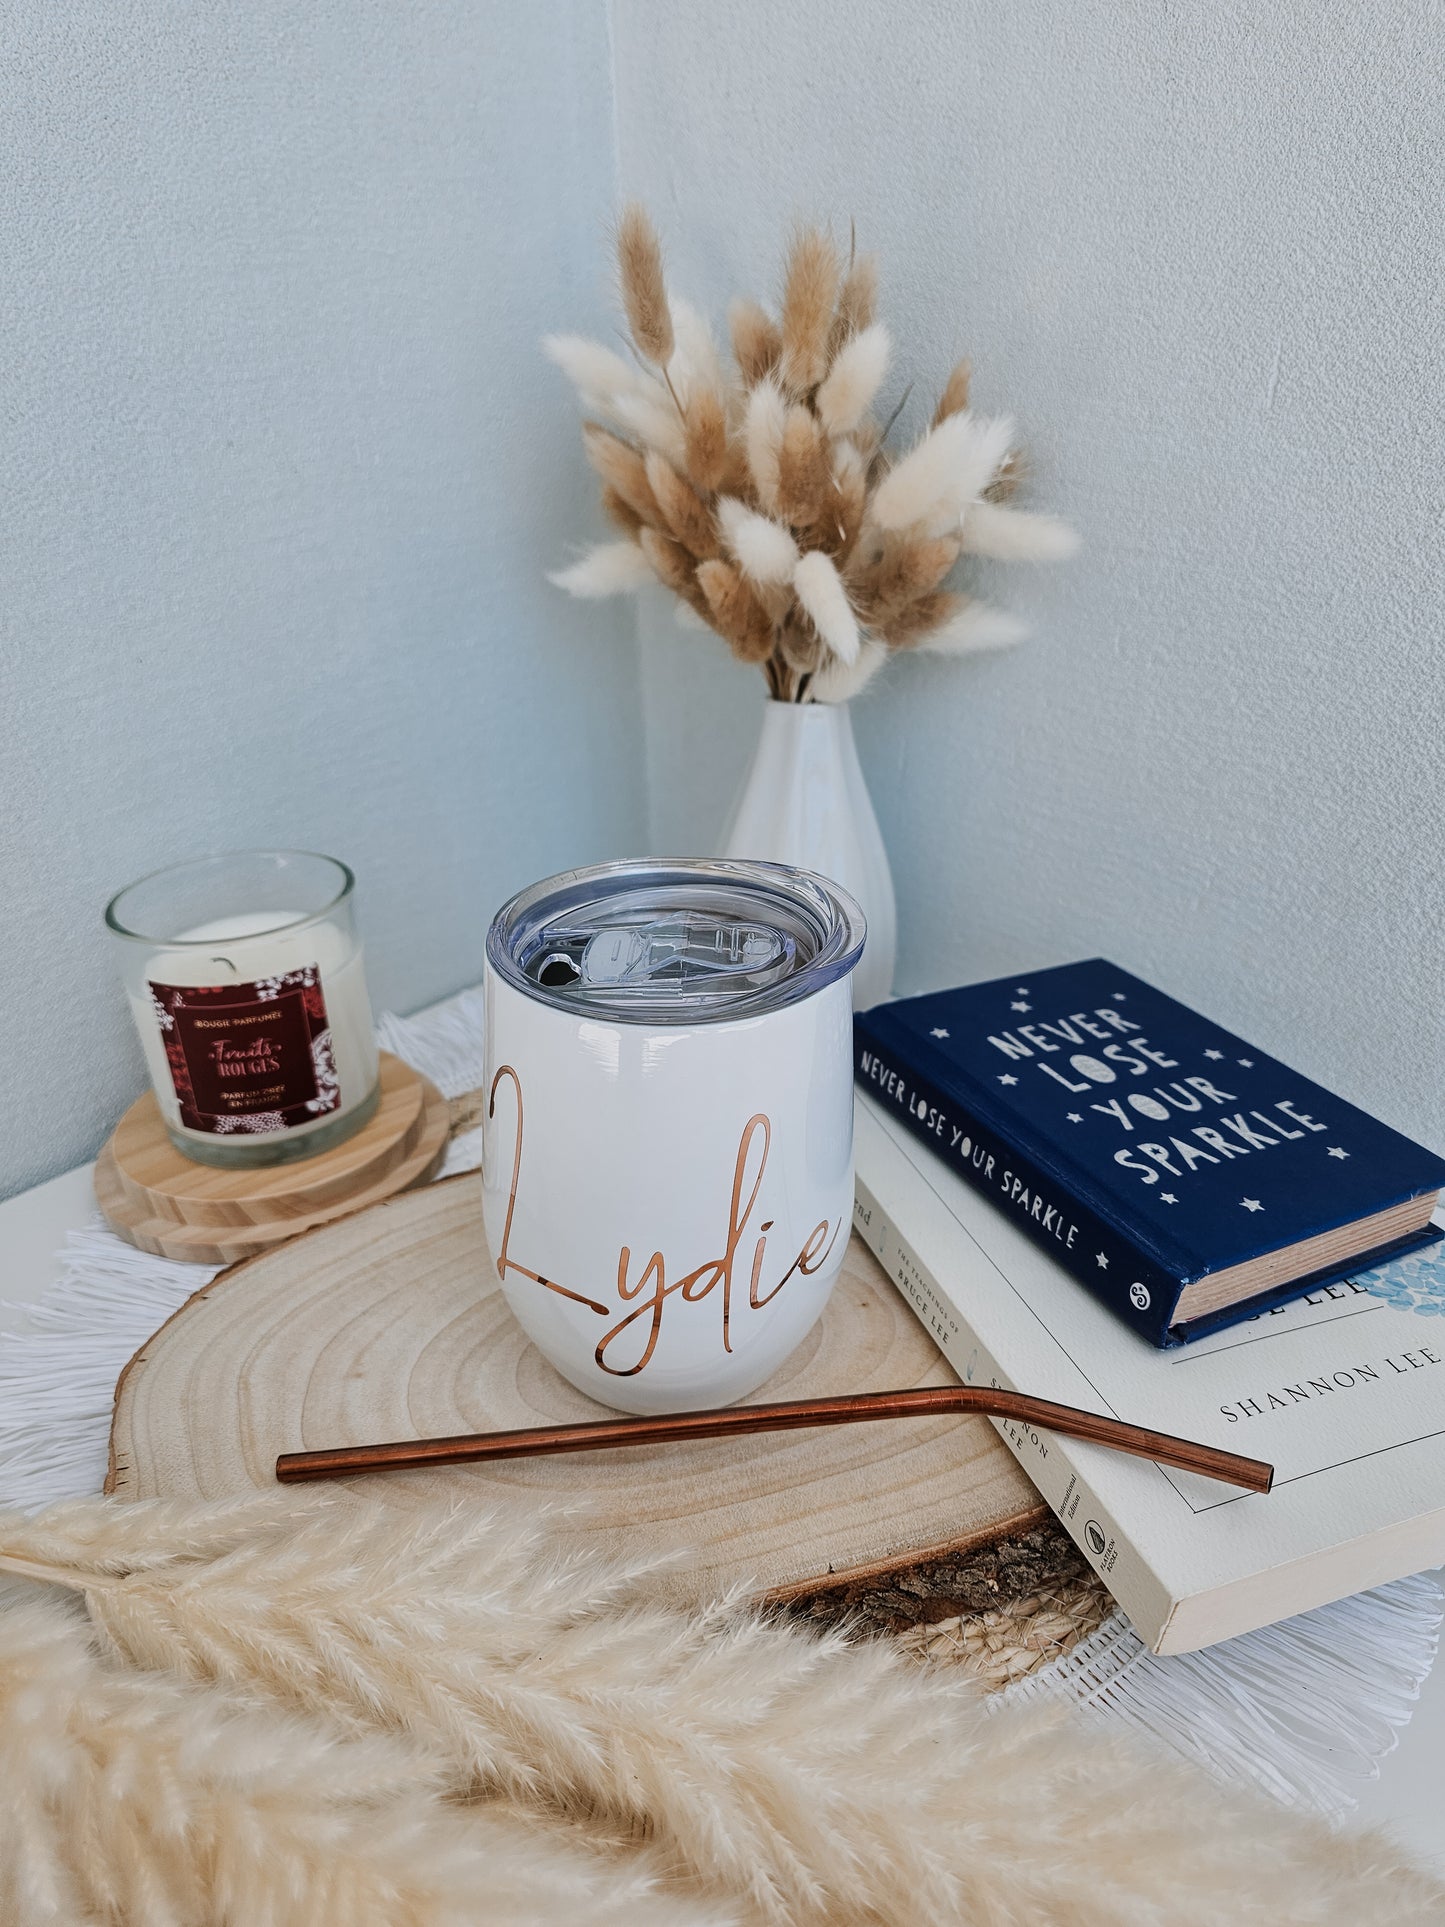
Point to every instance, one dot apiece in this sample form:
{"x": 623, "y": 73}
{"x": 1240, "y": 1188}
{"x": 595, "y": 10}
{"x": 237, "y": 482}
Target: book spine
{"x": 1132, "y": 1285}
{"x": 1043, "y": 1455}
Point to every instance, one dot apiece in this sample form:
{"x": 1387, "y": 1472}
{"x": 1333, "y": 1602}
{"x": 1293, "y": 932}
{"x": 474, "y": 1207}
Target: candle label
{"x": 249, "y": 1057}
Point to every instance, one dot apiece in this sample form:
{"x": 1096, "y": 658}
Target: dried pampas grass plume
{"x": 769, "y": 498}
{"x": 793, "y": 1781}
{"x": 131, "y": 1797}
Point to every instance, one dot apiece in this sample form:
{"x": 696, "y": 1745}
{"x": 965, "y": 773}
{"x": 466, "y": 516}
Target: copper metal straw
{"x": 675, "y": 1428}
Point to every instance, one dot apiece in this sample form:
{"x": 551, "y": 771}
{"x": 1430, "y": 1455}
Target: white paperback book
{"x": 1342, "y": 1391}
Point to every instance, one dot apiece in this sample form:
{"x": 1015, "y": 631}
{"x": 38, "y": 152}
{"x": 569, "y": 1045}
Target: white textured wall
{"x": 280, "y": 469}
{"x": 1198, "y": 251}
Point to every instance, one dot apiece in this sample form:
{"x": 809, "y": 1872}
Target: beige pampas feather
{"x": 821, "y": 592}
{"x": 644, "y": 289}
{"x": 611, "y": 568}
{"x": 764, "y": 548}
{"x": 684, "y": 514}
{"x": 854, "y": 379}
{"x": 974, "y": 628}
{"x": 131, "y": 1798}
{"x": 1014, "y": 535}
{"x": 763, "y": 433}
{"x": 954, "y": 399}
{"x": 809, "y": 292}
{"x": 705, "y": 443}
{"x": 800, "y": 1780}
{"x": 757, "y": 344}
{"x": 803, "y": 476}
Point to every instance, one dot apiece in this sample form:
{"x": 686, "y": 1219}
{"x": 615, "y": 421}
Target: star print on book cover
{"x": 1143, "y": 1146}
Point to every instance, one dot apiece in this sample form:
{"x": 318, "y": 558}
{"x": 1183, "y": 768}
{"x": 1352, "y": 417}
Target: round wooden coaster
{"x": 393, "y": 1325}
{"x": 162, "y": 1202}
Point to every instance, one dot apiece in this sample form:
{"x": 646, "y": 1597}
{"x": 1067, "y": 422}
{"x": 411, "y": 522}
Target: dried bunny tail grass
{"x": 738, "y": 616}
{"x": 1014, "y": 535}
{"x": 974, "y": 628}
{"x": 705, "y": 440}
{"x": 801, "y": 650}
{"x": 906, "y": 627}
{"x": 810, "y": 289}
{"x": 683, "y": 511}
{"x": 1005, "y": 485}
{"x": 621, "y": 514}
{"x": 694, "y": 362}
{"x": 611, "y": 568}
{"x": 848, "y": 503}
{"x": 821, "y": 592}
{"x": 622, "y": 469}
{"x": 644, "y": 289}
{"x": 857, "y": 301}
{"x": 855, "y": 377}
{"x": 763, "y": 427}
{"x": 594, "y": 371}
{"x": 764, "y": 549}
{"x": 654, "y": 419}
{"x": 904, "y": 568}
{"x": 673, "y": 566}
{"x": 803, "y": 475}
{"x": 943, "y": 473}
{"x": 954, "y": 399}
{"x": 840, "y": 682}
{"x": 757, "y": 343}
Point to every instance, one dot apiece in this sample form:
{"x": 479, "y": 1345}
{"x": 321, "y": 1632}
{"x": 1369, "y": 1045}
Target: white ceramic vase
{"x": 805, "y": 802}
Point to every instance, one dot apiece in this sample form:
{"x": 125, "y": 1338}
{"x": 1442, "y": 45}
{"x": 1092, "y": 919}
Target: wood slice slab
{"x": 391, "y": 1324}
{"x": 168, "y": 1204}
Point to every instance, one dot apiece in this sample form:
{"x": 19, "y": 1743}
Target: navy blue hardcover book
{"x": 1186, "y": 1178}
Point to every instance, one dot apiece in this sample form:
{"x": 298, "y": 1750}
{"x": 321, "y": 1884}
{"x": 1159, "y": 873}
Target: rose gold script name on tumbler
{"x": 651, "y": 1287}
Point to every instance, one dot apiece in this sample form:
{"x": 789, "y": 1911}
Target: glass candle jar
{"x": 245, "y": 980}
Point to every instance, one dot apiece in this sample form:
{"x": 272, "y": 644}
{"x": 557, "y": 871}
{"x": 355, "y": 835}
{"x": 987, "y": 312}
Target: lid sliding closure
{"x": 674, "y": 943}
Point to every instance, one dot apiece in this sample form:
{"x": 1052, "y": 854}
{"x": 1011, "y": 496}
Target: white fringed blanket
{"x": 1304, "y": 1711}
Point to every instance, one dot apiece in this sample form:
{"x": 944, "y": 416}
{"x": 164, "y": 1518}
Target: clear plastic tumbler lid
{"x": 682, "y": 942}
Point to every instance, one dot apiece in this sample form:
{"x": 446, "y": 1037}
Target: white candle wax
{"x": 266, "y": 949}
